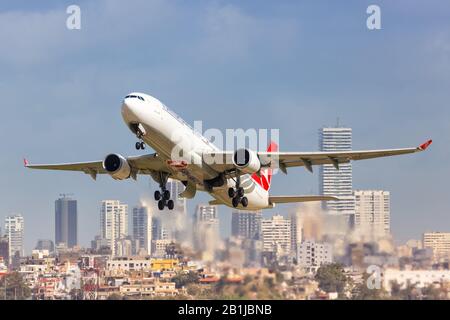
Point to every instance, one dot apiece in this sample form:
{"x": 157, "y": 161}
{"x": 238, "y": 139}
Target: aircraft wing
{"x": 142, "y": 164}
{"x": 290, "y": 199}
{"x": 284, "y": 160}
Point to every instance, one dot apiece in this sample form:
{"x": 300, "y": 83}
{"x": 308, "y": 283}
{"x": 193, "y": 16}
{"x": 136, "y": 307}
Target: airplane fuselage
{"x": 165, "y": 132}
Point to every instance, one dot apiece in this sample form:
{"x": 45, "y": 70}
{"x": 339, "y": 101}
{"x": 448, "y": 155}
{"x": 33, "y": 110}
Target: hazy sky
{"x": 292, "y": 65}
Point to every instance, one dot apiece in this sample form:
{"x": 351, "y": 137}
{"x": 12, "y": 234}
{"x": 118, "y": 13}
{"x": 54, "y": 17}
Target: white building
{"x": 439, "y": 242}
{"x": 276, "y": 235}
{"x": 159, "y": 247}
{"x": 176, "y": 187}
{"x": 124, "y": 247}
{"x": 206, "y": 230}
{"x": 334, "y": 182}
{"x": 129, "y": 263}
{"x": 296, "y": 231}
{"x": 142, "y": 228}
{"x": 372, "y": 213}
{"x": 311, "y": 254}
{"x": 14, "y": 230}
{"x": 113, "y": 222}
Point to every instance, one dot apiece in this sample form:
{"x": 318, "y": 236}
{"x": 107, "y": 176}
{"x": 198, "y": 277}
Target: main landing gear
{"x": 163, "y": 196}
{"x": 237, "y": 194}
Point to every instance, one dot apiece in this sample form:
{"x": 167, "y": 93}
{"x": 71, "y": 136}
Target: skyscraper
{"x": 66, "y": 221}
{"x": 113, "y": 222}
{"x": 337, "y": 182}
{"x": 372, "y": 213}
{"x": 4, "y": 249}
{"x": 176, "y": 187}
{"x": 142, "y": 228}
{"x": 206, "y": 230}
{"x": 439, "y": 242}
{"x": 14, "y": 230}
{"x": 296, "y": 231}
{"x": 276, "y": 235}
{"x": 246, "y": 224}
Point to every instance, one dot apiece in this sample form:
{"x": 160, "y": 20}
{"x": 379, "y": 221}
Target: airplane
{"x": 241, "y": 179}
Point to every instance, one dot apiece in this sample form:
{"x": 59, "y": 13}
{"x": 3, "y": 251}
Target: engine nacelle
{"x": 117, "y": 166}
{"x": 247, "y": 161}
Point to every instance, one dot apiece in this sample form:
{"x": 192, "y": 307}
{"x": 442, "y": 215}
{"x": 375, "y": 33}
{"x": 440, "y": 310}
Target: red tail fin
{"x": 265, "y": 177}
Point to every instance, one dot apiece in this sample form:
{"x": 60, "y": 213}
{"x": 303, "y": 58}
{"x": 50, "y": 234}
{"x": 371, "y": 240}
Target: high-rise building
{"x": 45, "y": 244}
{"x": 4, "y": 249}
{"x": 372, "y": 213}
{"x": 66, "y": 221}
{"x": 124, "y": 247}
{"x": 206, "y": 230}
{"x": 276, "y": 235}
{"x": 100, "y": 244}
{"x": 337, "y": 182}
{"x": 439, "y": 242}
{"x": 246, "y": 224}
{"x": 206, "y": 214}
{"x": 314, "y": 254}
{"x": 296, "y": 231}
{"x": 176, "y": 187}
{"x": 113, "y": 222}
{"x": 142, "y": 228}
{"x": 15, "y": 231}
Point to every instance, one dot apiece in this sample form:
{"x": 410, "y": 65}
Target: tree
{"x": 14, "y": 286}
{"x": 183, "y": 279}
{"x": 431, "y": 293}
{"x": 409, "y": 293}
{"x": 363, "y": 292}
{"x": 331, "y": 278}
{"x": 76, "y": 294}
{"x": 115, "y": 296}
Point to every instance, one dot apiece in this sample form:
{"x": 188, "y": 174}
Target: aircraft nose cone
{"x": 129, "y": 108}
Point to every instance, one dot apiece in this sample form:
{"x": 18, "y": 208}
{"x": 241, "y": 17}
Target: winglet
{"x": 25, "y": 162}
{"x": 425, "y": 145}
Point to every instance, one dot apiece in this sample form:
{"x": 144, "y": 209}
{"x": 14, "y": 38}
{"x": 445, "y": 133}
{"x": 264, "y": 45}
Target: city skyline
{"x": 346, "y": 80}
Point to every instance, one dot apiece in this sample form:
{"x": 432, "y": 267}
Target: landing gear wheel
{"x": 235, "y": 202}
{"x": 240, "y": 192}
{"x": 231, "y": 193}
{"x": 166, "y": 194}
{"x": 142, "y": 145}
{"x": 170, "y": 204}
{"x": 157, "y": 195}
{"x": 138, "y": 145}
{"x": 244, "y": 202}
{"x": 161, "y": 204}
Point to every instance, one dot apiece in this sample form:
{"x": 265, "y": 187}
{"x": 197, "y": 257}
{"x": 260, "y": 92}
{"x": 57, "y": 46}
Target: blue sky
{"x": 292, "y": 65}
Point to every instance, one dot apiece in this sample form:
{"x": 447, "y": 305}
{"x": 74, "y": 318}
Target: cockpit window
{"x": 133, "y": 96}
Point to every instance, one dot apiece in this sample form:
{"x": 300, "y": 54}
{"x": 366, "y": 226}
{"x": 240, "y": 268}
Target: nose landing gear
{"x": 237, "y": 194}
{"x": 140, "y": 145}
{"x": 140, "y": 132}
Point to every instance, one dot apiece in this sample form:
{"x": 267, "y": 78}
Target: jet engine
{"x": 246, "y": 161}
{"x": 117, "y": 166}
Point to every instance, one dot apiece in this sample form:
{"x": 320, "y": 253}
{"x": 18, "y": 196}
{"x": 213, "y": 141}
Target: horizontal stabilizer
{"x": 289, "y": 199}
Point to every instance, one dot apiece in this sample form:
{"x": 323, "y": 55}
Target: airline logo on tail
{"x": 265, "y": 177}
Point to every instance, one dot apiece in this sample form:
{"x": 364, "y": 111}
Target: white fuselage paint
{"x": 163, "y": 132}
